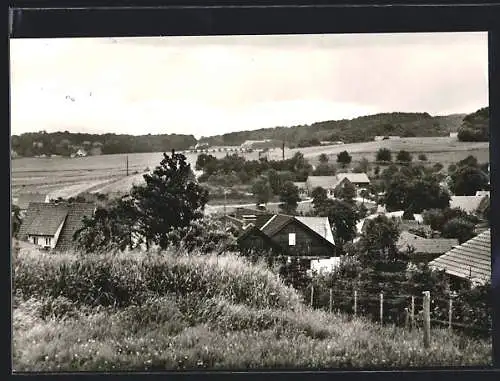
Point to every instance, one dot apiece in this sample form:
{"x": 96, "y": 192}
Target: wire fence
{"x": 403, "y": 309}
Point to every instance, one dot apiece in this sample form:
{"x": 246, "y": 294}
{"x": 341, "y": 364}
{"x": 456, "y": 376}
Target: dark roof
{"x": 23, "y": 200}
{"x": 471, "y": 260}
{"x": 47, "y": 222}
{"x": 275, "y": 224}
{"x": 73, "y": 213}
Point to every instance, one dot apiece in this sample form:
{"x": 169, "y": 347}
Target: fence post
{"x": 355, "y": 302}
{"x": 427, "y": 319}
{"x": 412, "y": 316}
{"x": 381, "y": 308}
{"x": 450, "y": 313}
{"x": 312, "y": 295}
{"x": 331, "y": 300}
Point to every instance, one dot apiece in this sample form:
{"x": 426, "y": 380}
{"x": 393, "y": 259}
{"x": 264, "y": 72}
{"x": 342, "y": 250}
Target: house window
{"x": 47, "y": 241}
{"x": 291, "y": 239}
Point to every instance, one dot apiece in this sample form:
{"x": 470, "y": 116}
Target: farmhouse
{"x": 359, "y": 179}
{"x": 424, "y": 250}
{"x": 290, "y": 236}
{"x": 468, "y": 264}
{"x": 52, "y": 225}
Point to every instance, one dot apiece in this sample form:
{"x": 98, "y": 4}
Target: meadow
{"x": 105, "y": 174}
{"x": 173, "y": 311}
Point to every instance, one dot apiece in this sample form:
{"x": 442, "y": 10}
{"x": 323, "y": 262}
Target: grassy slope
{"x": 164, "y": 312}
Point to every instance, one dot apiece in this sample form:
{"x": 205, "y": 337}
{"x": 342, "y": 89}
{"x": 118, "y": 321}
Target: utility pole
{"x": 127, "y": 165}
{"x": 283, "y": 150}
{"x": 225, "y": 214}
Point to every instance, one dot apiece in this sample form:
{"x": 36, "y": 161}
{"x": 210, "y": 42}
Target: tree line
{"x": 65, "y": 143}
{"x": 349, "y": 131}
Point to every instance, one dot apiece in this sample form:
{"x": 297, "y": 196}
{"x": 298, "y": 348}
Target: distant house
{"x": 386, "y": 137}
{"x": 468, "y": 264}
{"x": 453, "y": 134}
{"x": 424, "y": 250}
{"x": 359, "y": 179}
{"x": 201, "y": 145}
{"x": 309, "y": 237}
{"x": 332, "y": 183}
{"x": 80, "y": 153}
{"x": 52, "y": 225}
{"x": 468, "y": 204}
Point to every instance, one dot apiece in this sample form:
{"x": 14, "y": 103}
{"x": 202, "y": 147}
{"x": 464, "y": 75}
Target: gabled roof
{"x": 272, "y": 225}
{"x": 425, "y": 245}
{"x": 72, "y": 214}
{"x": 325, "y": 182}
{"x": 471, "y": 260}
{"x": 468, "y": 204}
{"x": 23, "y": 200}
{"x": 320, "y": 225}
{"x": 354, "y": 178}
{"x": 47, "y": 222}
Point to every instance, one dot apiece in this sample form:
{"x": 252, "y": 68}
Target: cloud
{"x": 211, "y": 85}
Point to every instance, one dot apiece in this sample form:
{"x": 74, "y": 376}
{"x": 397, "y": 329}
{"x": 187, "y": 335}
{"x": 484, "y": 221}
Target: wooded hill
{"x": 65, "y": 143}
{"x": 349, "y": 131}
{"x": 476, "y": 127}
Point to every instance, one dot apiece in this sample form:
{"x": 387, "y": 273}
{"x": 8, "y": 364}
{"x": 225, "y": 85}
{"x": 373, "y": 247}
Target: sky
{"x": 217, "y": 84}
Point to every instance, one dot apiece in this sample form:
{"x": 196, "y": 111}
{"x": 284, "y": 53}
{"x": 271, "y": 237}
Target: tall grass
{"x": 125, "y": 279}
{"x": 165, "y": 311}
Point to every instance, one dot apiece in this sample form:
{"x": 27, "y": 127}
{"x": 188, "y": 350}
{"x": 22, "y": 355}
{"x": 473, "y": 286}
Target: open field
{"x": 63, "y": 175}
{"x": 138, "y": 311}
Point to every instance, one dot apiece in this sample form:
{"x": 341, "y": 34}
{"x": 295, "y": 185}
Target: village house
{"x": 468, "y": 264}
{"x": 293, "y": 236}
{"x": 51, "y": 225}
{"x": 453, "y": 134}
{"x": 424, "y": 250}
{"x": 360, "y": 180}
{"x": 333, "y": 183}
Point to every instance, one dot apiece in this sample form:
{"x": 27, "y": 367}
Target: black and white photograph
{"x": 250, "y": 202}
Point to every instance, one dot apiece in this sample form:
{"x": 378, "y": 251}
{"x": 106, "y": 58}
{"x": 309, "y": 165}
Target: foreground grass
{"x": 224, "y": 328}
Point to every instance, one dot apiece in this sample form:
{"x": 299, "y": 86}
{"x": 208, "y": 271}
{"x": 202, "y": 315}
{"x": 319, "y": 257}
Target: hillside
{"x": 349, "y": 131}
{"x": 143, "y": 312}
